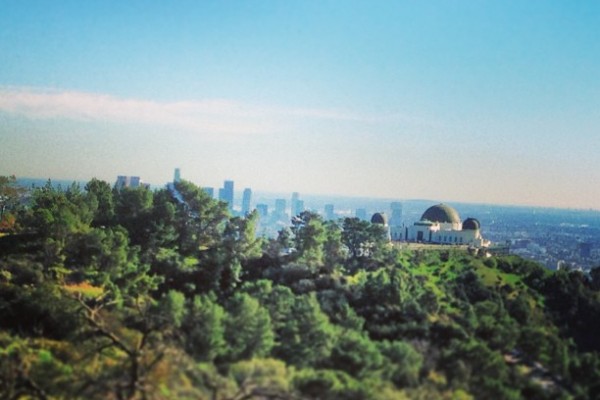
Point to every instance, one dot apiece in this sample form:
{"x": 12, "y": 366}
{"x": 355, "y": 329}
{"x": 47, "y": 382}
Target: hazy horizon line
{"x": 276, "y": 193}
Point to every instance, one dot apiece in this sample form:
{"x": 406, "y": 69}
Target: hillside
{"x": 139, "y": 294}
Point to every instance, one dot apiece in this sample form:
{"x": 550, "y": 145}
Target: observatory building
{"x": 441, "y": 224}
{"x": 380, "y": 218}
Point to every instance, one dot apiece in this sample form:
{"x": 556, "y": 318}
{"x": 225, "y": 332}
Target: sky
{"x": 471, "y": 101}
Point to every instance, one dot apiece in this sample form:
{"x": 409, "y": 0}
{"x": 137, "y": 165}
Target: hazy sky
{"x": 478, "y": 101}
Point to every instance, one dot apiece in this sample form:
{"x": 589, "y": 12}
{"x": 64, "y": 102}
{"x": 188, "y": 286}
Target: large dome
{"x": 441, "y": 213}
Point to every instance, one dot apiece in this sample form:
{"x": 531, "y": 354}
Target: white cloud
{"x": 212, "y": 116}
{"x": 215, "y": 116}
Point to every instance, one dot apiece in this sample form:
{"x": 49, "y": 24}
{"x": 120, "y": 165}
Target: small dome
{"x": 471, "y": 224}
{"x": 379, "y": 218}
{"x": 441, "y": 213}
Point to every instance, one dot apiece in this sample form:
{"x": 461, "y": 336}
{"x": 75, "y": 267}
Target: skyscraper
{"x": 280, "y": 206}
{"x": 226, "y": 194}
{"x": 396, "y": 218}
{"x": 134, "y": 181}
{"x": 263, "y": 210}
{"x": 294, "y": 206}
{"x": 299, "y": 207}
{"x": 128, "y": 181}
{"x": 246, "y": 199}
{"x": 395, "y": 222}
{"x": 122, "y": 181}
{"x": 177, "y": 175}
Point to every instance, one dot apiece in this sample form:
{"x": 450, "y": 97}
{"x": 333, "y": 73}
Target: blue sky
{"x": 495, "y": 102}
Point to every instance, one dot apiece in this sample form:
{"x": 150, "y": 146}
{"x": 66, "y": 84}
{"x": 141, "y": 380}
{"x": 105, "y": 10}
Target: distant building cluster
{"x": 124, "y": 181}
{"x": 297, "y": 205}
{"x": 226, "y": 194}
{"x": 439, "y": 224}
{"x": 272, "y": 221}
{"x": 559, "y": 239}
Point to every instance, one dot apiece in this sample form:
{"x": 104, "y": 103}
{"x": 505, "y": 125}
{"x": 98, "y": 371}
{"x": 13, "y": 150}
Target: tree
{"x": 309, "y": 237}
{"x": 10, "y": 195}
{"x": 37, "y": 310}
{"x": 329, "y": 384}
{"x": 333, "y": 248}
{"x": 388, "y": 299}
{"x": 483, "y": 370}
{"x": 261, "y": 379}
{"x": 248, "y": 331}
{"x": 404, "y": 363}
{"x": 222, "y": 265}
{"x": 285, "y": 239}
{"x": 101, "y": 193}
{"x": 30, "y": 369}
{"x": 362, "y": 238}
{"x": 205, "y": 327}
{"x": 336, "y": 306}
{"x": 201, "y": 219}
{"x": 56, "y": 214}
{"x": 133, "y": 208}
{"x": 573, "y": 307}
{"x": 277, "y": 299}
{"x": 163, "y": 226}
{"x": 306, "y": 337}
{"x": 595, "y": 278}
{"x": 356, "y": 354}
{"x": 495, "y": 326}
{"x": 97, "y": 252}
{"x": 139, "y": 330}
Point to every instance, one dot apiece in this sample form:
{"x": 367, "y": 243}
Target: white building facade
{"x": 441, "y": 224}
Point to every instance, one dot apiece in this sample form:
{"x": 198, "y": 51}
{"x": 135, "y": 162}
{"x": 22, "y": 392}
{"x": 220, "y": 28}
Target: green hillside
{"x": 139, "y": 294}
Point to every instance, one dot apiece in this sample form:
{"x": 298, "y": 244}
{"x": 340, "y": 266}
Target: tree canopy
{"x": 141, "y": 294}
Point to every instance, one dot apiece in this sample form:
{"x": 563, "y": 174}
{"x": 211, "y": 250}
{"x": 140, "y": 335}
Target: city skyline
{"x": 475, "y": 102}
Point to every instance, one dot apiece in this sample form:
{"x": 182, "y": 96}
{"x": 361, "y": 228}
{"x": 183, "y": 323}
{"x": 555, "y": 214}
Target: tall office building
{"x": 226, "y": 194}
{"x": 177, "y": 175}
{"x": 135, "y": 181}
{"x": 395, "y": 222}
{"x": 293, "y": 206}
{"x": 299, "y": 207}
{"x": 246, "y": 199}
{"x": 209, "y": 191}
{"x": 122, "y": 181}
{"x": 263, "y": 210}
{"x": 128, "y": 182}
{"x": 396, "y": 218}
{"x": 280, "y": 206}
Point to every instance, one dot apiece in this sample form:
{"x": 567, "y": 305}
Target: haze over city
{"x": 493, "y": 102}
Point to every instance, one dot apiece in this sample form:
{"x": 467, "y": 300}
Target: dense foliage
{"x": 135, "y": 294}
